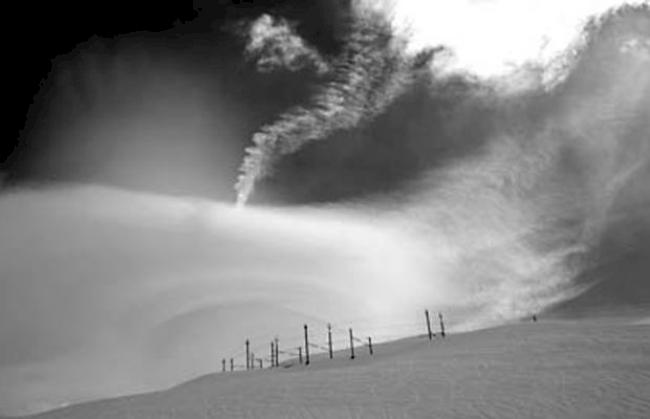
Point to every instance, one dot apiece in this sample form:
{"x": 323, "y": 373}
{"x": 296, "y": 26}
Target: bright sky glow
{"x": 490, "y": 38}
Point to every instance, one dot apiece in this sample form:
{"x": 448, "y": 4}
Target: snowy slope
{"x": 553, "y": 368}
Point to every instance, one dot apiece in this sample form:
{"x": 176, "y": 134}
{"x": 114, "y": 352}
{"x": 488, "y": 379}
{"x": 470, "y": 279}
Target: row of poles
{"x": 275, "y": 346}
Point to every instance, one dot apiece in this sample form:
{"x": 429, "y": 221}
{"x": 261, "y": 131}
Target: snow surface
{"x": 552, "y": 369}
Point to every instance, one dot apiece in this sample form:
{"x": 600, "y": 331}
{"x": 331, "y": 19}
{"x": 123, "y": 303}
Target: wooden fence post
{"x": 261, "y": 361}
{"x": 272, "y": 354}
{"x": 248, "y": 355}
{"x": 329, "y": 340}
{"x": 426, "y": 314}
{"x": 306, "y": 346}
{"x": 370, "y": 345}
{"x": 277, "y": 352}
{"x": 232, "y": 365}
{"x": 223, "y": 365}
{"x": 300, "y": 354}
{"x": 351, "y": 345}
{"x": 442, "y": 325}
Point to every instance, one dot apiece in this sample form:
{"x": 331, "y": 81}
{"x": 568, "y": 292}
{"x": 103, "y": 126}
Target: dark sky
{"x": 44, "y": 32}
{"x": 85, "y": 65}
{"x": 160, "y": 98}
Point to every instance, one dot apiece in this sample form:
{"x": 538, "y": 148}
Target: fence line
{"x": 326, "y": 346}
{"x": 258, "y": 345}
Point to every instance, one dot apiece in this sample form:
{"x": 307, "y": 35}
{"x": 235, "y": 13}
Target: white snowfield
{"x": 548, "y": 369}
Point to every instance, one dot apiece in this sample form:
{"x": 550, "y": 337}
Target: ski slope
{"x": 549, "y": 369}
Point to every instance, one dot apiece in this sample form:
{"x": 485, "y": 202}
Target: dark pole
{"x": 370, "y": 345}
{"x": 261, "y": 361}
{"x": 329, "y": 339}
{"x": 306, "y": 346}
{"x": 248, "y": 355}
{"x": 300, "y": 354}
{"x": 442, "y": 325}
{"x": 232, "y": 364}
{"x": 351, "y": 345}
{"x": 426, "y": 314}
{"x": 223, "y": 365}
{"x": 272, "y": 354}
{"x": 252, "y": 361}
{"x": 277, "y": 352}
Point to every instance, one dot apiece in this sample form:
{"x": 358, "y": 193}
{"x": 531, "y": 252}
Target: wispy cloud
{"x": 274, "y": 44}
{"x": 370, "y": 73}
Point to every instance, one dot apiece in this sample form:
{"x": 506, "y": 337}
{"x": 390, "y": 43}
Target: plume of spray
{"x": 493, "y": 230}
{"x": 377, "y": 64}
{"x": 371, "y": 72}
{"x": 516, "y": 224}
{"x": 513, "y": 225}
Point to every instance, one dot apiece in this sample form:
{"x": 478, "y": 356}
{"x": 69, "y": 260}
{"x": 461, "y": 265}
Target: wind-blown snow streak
{"x": 371, "y": 72}
{"x": 274, "y": 44}
{"x": 512, "y": 225}
{"x": 383, "y": 54}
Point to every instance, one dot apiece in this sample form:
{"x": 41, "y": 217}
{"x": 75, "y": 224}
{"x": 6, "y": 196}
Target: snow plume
{"x": 102, "y": 282}
{"x": 515, "y": 225}
{"x": 274, "y": 44}
{"x": 384, "y": 53}
{"x": 370, "y": 73}
{"x": 495, "y": 232}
